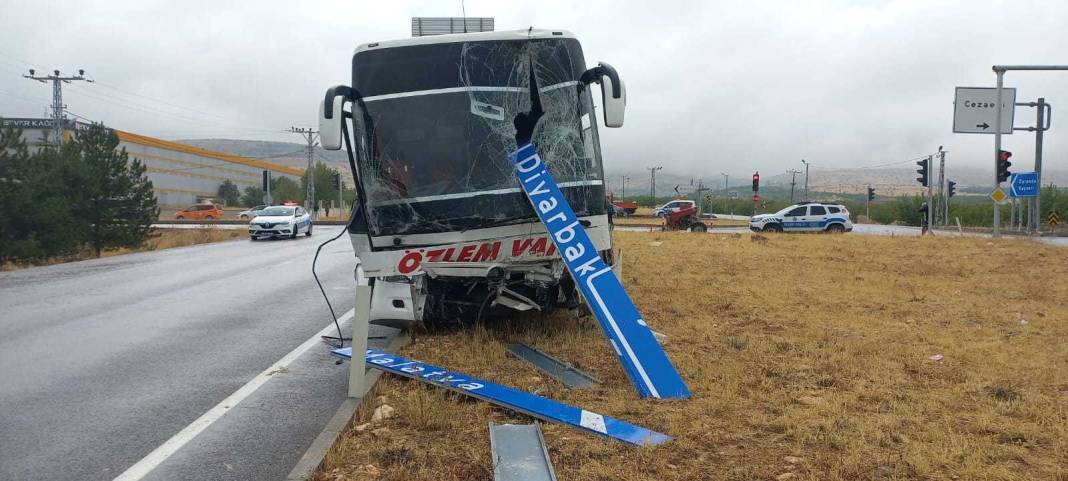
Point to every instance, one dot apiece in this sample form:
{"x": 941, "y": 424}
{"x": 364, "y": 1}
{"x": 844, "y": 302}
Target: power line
{"x": 874, "y": 166}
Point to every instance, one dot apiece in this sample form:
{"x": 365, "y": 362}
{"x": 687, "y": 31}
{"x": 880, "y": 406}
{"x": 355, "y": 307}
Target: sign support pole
{"x": 997, "y": 149}
{"x": 1041, "y": 127}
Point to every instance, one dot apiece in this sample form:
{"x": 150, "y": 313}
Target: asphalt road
{"x": 103, "y": 361}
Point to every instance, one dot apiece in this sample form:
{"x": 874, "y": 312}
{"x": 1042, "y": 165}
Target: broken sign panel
{"x": 526, "y": 403}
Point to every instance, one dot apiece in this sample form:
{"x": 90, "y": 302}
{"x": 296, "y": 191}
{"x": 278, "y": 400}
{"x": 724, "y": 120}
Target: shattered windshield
{"x": 437, "y": 129}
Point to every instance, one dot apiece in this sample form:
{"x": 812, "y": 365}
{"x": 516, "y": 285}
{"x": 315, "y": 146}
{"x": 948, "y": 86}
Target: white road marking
{"x": 172, "y": 445}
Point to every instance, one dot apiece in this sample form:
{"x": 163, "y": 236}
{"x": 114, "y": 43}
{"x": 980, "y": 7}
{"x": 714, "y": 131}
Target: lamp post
{"x": 806, "y": 178}
{"x": 726, "y": 194}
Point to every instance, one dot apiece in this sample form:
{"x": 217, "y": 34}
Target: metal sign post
{"x": 1000, "y": 70}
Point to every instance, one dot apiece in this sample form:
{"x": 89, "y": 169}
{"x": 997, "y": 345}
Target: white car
{"x": 673, "y": 206}
{"x": 279, "y": 221}
{"x": 804, "y": 217}
{"x": 251, "y": 213}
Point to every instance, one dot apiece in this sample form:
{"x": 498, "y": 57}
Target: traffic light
{"x": 871, "y": 194}
{"x": 266, "y": 181}
{"x": 1003, "y": 165}
{"x": 756, "y": 181}
{"x": 952, "y": 187}
{"x": 337, "y": 180}
{"x": 924, "y": 171}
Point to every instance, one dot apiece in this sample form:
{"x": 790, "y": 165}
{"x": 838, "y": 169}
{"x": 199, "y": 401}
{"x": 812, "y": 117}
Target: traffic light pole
{"x": 930, "y": 192}
{"x": 941, "y": 189}
{"x": 867, "y": 203}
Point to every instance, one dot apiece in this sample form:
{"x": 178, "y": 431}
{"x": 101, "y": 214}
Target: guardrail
{"x": 234, "y": 222}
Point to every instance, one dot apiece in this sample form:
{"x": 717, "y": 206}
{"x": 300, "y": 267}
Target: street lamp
{"x": 806, "y": 178}
{"x": 726, "y": 194}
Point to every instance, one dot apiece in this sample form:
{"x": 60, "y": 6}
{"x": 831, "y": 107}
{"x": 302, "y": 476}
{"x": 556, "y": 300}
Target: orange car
{"x": 200, "y": 212}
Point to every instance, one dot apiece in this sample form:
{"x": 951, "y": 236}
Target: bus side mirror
{"x": 614, "y": 107}
{"x": 613, "y": 92}
{"x": 331, "y": 120}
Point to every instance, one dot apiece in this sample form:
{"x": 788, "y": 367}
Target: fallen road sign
{"x": 643, "y": 359}
{"x": 524, "y": 402}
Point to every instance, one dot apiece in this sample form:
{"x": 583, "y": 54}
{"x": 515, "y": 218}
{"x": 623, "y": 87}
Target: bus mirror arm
{"x": 613, "y": 95}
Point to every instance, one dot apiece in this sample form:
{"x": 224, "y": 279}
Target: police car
{"x": 280, "y": 220}
{"x": 804, "y": 217}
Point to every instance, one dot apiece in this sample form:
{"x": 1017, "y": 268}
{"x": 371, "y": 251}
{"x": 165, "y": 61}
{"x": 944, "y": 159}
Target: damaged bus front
{"x": 442, "y": 229}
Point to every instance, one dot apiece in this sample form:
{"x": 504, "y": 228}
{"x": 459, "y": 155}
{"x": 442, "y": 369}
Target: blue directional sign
{"x": 524, "y": 402}
{"x": 645, "y": 362}
{"x": 1023, "y": 184}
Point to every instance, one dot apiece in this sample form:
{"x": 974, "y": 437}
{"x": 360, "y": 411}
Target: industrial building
{"x": 181, "y": 174}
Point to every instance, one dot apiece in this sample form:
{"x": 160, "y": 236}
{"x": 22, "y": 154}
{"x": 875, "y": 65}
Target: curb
{"x": 313, "y": 457}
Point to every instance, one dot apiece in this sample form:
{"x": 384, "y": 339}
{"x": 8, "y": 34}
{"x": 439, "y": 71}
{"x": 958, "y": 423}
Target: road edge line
{"x": 147, "y": 464}
{"x": 313, "y": 458}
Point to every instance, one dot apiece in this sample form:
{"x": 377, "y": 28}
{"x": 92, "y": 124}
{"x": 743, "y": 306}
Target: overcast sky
{"x": 712, "y": 86}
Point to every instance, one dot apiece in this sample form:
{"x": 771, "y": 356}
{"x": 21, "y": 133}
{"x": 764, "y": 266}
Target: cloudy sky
{"x": 712, "y": 86}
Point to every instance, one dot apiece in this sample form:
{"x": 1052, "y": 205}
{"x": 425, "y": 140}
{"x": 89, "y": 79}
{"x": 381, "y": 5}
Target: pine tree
{"x": 116, "y": 198}
{"x": 37, "y": 222}
{"x": 229, "y": 193}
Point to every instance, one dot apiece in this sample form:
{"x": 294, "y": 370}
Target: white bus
{"x": 442, "y": 229}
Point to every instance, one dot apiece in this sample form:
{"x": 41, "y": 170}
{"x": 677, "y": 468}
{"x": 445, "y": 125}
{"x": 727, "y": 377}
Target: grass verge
{"x": 161, "y": 239}
{"x": 810, "y": 357}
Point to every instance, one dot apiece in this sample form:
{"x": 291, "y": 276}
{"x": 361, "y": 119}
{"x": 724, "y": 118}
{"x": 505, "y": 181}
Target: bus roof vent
{"x": 423, "y": 26}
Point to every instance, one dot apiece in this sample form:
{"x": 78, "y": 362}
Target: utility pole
{"x": 623, "y": 195}
{"x": 57, "y": 80}
{"x": 941, "y": 189}
{"x": 793, "y": 180}
{"x": 311, "y": 136}
{"x": 806, "y": 181}
{"x": 652, "y": 182}
{"x": 726, "y": 194}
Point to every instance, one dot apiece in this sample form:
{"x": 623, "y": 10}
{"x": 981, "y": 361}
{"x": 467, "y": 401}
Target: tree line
{"x": 75, "y": 199}
{"x": 285, "y": 189}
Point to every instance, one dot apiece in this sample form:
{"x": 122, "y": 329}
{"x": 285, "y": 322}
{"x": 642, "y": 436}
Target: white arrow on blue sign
{"x": 1023, "y": 184}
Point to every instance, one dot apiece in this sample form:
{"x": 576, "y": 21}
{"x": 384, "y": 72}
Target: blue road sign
{"x": 1023, "y": 184}
{"x": 645, "y": 362}
{"x": 524, "y": 402}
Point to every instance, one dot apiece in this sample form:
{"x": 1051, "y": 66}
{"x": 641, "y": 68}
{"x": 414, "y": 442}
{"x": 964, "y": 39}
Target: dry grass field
{"x": 811, "y": 357}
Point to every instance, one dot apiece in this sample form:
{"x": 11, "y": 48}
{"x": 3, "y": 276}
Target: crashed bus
{"x": 442, "y": 230}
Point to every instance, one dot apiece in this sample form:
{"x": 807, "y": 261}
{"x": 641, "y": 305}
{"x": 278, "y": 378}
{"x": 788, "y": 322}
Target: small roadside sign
{"x": 1023, "y": 184}
{"x": 756, "y": 198}
{"x": 999, "y": 196}
{"x": 733, "y": 194}
{"x": 974, "y": 110}
{"x": 1053, "y": 219}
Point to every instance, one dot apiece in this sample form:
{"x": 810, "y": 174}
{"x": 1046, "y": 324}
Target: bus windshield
{"x": 437, "y": 128}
